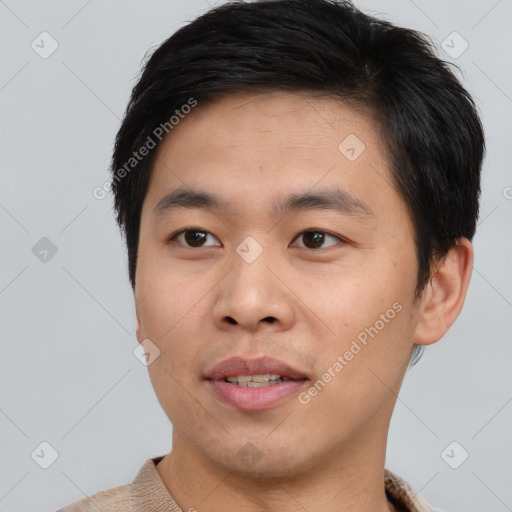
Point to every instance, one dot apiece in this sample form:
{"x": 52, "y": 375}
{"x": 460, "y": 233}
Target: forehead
{"x": 305, "y": 116}
{"x": 249, "y": 147}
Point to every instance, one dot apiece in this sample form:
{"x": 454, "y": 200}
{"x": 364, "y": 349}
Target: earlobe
{"x": 444, "y": 296}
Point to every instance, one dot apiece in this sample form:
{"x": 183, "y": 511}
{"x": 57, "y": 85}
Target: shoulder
{"x": 403, "y": 495}
{"x": 145, "y": 492}
{"x": 117, "y": 499}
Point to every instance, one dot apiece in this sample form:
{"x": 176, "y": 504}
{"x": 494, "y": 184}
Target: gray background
{"x": 68, "y": 374}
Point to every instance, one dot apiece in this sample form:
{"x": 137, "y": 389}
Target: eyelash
{"x": 174, "y": 236}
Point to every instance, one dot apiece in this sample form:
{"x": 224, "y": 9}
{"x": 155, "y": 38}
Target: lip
{"x": 235, "y": 366}
{"x": 255, "y": 399}
{"x": 258, "y": 398}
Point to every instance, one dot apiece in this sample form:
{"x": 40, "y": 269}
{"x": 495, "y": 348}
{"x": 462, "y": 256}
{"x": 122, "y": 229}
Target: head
{"x": 260, "y": 103}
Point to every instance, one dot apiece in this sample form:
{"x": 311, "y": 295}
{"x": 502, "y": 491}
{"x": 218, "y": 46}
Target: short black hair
{"x": 432, "y": 132}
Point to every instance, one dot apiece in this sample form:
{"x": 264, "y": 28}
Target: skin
{"x": 202, "y": 304}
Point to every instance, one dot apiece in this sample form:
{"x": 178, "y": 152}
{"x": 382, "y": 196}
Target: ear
{"x": 444, "y": 296}
{"x": 140, "y": 336}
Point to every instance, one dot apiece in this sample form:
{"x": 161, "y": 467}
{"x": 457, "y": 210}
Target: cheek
{"x": 368, "y": 313}
{"x": 166, "y": 300}
{"x": 170, "y": 320}
{"x": 361, "y": 371}
{"x": 347, "y": 302}
{"x": 164, "y": 320}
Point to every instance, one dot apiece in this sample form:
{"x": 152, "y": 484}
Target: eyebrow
{"x": 329, "y": 199}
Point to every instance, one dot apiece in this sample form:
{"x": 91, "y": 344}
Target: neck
{"x": 349, "y": 477}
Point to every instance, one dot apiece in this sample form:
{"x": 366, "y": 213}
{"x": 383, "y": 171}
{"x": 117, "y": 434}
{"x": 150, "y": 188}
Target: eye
{"x": 314, "y": 238}
{"x": 193, "y": 237}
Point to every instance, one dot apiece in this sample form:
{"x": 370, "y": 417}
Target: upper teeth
{"x": 267, "y": 377}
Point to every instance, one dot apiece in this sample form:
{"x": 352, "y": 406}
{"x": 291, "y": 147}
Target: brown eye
{"x": 314, "y": 239}
{"x": 193, "y": 238}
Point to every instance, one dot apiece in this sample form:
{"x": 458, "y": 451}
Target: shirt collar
{"x": 148, "y": 485}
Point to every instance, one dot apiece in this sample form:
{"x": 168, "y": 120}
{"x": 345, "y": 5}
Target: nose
{"x": 255, "y": 294}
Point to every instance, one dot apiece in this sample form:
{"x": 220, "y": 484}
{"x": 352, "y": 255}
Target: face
{"x": 325, "y": 285}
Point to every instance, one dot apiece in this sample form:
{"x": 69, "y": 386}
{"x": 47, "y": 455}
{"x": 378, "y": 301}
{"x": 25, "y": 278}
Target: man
{"x": 298, "y": 186}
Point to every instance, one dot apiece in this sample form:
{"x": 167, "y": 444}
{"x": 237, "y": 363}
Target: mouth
{"x": 257, "y": 381}
{"x": 255, "y": 385}
{"x": 260, "y": 371}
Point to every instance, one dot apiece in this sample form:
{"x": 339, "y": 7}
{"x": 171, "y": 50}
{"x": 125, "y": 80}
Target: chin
{"x": 255, "y": 461}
